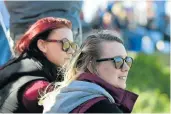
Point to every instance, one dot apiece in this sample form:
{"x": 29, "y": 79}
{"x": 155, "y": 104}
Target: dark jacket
{"x": 25, "y": 13}
{"x": 124, "y": 100}
{"x": 16, "y": 76}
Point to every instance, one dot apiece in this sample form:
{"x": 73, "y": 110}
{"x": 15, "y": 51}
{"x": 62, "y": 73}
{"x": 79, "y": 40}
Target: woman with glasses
{"x": 95, "y": 79}
{"x": 45, "y": 47}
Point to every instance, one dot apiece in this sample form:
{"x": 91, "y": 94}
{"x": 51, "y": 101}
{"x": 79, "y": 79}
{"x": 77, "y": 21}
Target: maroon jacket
{"x": 124, "y": 100}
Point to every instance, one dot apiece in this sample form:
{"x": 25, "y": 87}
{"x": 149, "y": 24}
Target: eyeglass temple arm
{"x": 105, "y": 59}
{"x": 53, "y": 40}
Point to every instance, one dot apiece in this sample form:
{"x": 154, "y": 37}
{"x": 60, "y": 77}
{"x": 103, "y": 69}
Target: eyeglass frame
{"x": 113, "y": 59}
{"x": 62, "y": 41}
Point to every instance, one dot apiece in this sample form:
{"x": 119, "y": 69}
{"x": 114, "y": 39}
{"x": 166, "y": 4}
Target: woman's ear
{"x": 93, "y": 67}
{"x": 41, "y": 44}
{"x": 90, "y": 67}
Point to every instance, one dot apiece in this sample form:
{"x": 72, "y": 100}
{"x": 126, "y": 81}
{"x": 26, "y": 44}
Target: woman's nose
{"x": 125, "y": 67}
{"x": 71, "y": 51}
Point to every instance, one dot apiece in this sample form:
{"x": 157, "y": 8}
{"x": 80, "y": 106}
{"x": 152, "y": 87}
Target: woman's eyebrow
{"x": 123, "y": 56}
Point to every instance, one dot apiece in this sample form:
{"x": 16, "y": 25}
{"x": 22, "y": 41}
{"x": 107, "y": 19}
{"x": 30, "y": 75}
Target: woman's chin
{"x": 123, "y": 86}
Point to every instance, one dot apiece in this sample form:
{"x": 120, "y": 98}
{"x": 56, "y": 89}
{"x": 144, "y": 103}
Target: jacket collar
{"x": 124, "y": 99}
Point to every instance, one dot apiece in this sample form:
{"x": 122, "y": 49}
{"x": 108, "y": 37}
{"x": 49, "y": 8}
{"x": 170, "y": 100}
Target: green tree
{"x": 149, "y": 78}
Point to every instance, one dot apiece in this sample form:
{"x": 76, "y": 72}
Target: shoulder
{"x": 104, "y": 106}
{"x": 97, "y": 105}
{"x": 17, "y": 65}
{"x": 31, "y": 93}
{"x": 31, "y": 89}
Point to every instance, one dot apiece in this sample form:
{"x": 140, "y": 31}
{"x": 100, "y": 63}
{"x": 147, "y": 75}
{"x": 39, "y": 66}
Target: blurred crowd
{"x": 143, "y": 25}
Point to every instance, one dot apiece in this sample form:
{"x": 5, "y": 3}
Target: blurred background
{"x": 144, "y": 27}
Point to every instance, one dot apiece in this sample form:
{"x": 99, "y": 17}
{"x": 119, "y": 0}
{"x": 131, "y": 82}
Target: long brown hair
{"x": 86, "y": 57}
